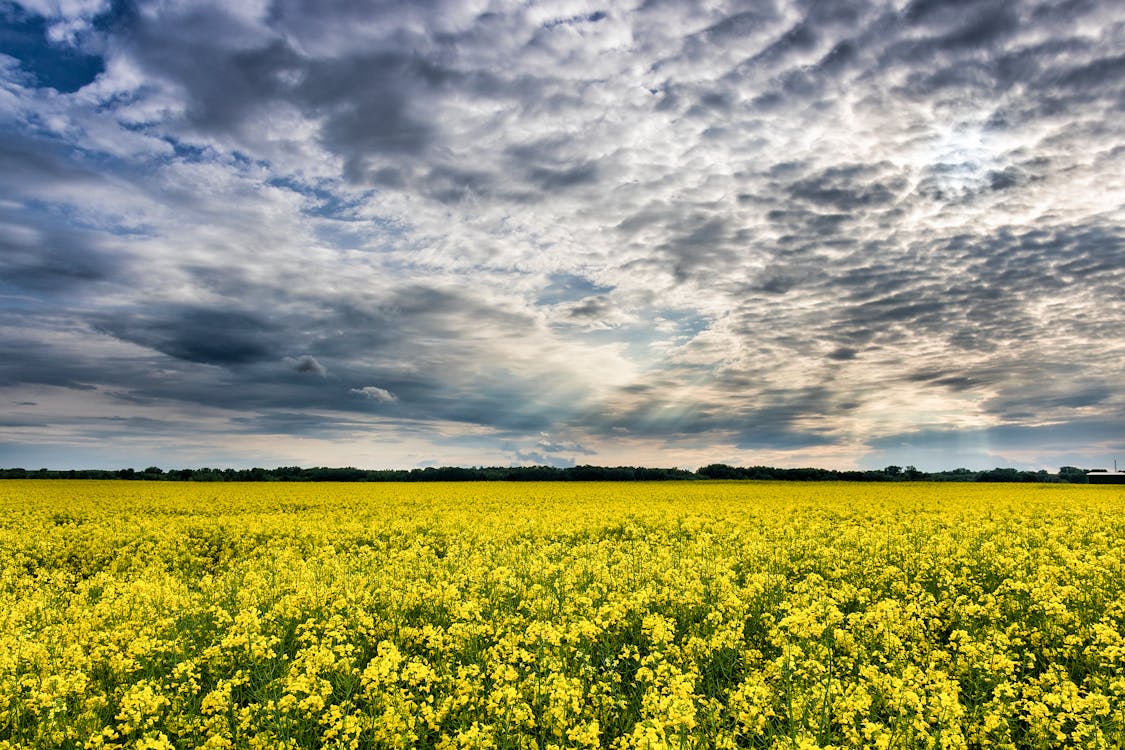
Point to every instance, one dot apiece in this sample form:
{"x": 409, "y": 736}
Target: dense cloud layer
{"x": 835, "y": 233}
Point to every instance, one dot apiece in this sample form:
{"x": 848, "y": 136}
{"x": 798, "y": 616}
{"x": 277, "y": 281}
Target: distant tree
{"x": 1073, "y": 474}
{"x": 1008, "y": 475}
{"x": 718, "y": 471}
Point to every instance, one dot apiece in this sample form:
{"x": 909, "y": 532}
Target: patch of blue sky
{"x": 326, "y": 204}
{"x": 242, "y": 160}
{"x": 189, "y": 152}
{"x": 688, "y": 323}
{"x": 23, "y": 36}
{"x": 568, "y": 287}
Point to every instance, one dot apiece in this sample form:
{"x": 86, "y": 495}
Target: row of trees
{"x": 1069, "y": 474}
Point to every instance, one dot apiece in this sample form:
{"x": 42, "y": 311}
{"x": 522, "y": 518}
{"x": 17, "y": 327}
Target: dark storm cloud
{"x": 257, "y": 367}
{"x": 842, "y": 353}
{"x": 375, "y": 107}
{"x": 199, "y": 334}
{"x": 365, "y": 101}
{"x": 25, "y": 360}
{"x": 41, "y": 250}
{"x": 307, "y": 365}
{"x": 52, "y": 261}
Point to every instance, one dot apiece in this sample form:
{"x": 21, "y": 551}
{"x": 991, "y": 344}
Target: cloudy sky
{"x": 399, "y": 233}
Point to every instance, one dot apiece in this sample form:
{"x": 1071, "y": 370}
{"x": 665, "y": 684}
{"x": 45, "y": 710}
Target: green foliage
{"x": 583, "y": 473}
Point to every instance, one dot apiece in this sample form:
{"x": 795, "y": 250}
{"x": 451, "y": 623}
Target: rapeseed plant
{"x": 694, "y": 615}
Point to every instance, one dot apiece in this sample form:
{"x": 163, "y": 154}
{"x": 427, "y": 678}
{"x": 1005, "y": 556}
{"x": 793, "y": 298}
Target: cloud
{"x": 375, "y": 393}
{"x": 546, "y": 445}
{"x": 198, "y": 334}
{"x": 306, "y": 365}
{"x": 52, "y": 261}
{"x": 1004, "y": 445}
{"x": 536, "y": 458}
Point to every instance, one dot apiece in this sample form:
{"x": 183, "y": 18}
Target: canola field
{"x": 672, "y": 615}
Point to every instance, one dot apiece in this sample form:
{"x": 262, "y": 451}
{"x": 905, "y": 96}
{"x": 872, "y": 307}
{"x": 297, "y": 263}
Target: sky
{"x": 403, "y": 233}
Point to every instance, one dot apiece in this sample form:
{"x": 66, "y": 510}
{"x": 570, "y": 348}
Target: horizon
{"x": 892, "y": 469}
{"x": 843, "y": 235}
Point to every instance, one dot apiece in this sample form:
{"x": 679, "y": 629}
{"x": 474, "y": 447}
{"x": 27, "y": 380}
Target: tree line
{"x": 1069, "y": 474}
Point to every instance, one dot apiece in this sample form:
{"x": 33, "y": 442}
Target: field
{"x": 679, "y": 615}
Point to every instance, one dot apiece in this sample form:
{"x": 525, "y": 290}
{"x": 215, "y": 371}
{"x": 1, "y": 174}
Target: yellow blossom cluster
{"x": 549, "y": 616}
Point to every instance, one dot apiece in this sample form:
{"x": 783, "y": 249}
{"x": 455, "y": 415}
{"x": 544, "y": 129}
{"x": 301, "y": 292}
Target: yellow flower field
{"x": 678, "y": 615}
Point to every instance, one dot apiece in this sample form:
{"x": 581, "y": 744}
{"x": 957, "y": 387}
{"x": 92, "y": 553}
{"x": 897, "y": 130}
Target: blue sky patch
{"x": 62, "y": 67}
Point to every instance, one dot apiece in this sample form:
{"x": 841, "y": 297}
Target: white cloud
{"x": 375, "y": 393}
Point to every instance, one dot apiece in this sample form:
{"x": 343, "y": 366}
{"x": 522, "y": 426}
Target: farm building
{"x": 1101, "y": 476}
